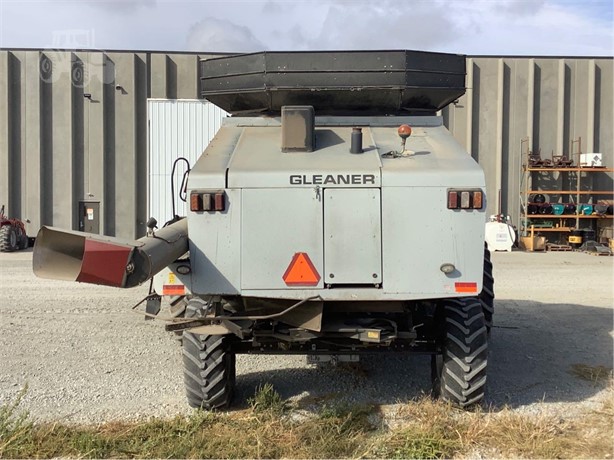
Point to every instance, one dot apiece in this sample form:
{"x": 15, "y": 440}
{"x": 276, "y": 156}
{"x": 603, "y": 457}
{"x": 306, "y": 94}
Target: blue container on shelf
{"x": 558, "y": 209}
{"x": 586, "y": 209}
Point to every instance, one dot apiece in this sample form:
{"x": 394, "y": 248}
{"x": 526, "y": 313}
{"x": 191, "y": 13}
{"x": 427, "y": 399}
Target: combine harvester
{"x": 332, "y": 215}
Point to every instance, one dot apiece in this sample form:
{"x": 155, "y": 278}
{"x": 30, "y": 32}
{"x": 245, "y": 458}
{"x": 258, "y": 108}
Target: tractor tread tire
{"x": 8, "y": 239}
{"x": 24, "y": 243}
{"x": 209, "y": 370}
{"x": 487, "y": 296}
{"x": 459, "y": 372}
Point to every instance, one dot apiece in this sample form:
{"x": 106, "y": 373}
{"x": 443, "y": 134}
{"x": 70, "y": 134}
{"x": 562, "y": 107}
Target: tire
{"x": 8, "y": 239}
{"x": 208, "y": 370}
{"x": 23, "y": 241}
{"x": 459, "y": 371}
{"x": 487, "y": 296}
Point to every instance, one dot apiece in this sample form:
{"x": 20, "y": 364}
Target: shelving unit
{"x": 564, "y": 222}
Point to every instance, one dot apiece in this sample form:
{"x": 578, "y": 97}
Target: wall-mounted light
{"x": 87, "y": 96}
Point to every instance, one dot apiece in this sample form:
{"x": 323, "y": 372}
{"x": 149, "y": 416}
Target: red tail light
{"x": 196, "y": 202}
{"x": 452, "y": 199}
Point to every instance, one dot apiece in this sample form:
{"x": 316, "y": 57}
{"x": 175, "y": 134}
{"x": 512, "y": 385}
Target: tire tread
{"x": 461, "y": 378}
{"x": 209, "y": 370}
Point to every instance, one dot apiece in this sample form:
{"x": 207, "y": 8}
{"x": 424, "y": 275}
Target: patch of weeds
{"x": 413, "y": 442}
{"x": 267, "y": 399}
{"x": 15, "y": 425}
{"x": 357, "y": 414}
{"x": 595, "y": 374}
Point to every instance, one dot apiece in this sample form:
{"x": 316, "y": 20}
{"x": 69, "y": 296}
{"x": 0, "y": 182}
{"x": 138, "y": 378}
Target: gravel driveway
{"x": 86, "y": 358}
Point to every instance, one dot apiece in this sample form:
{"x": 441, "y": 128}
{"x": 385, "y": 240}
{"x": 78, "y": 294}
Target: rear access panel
{"x": 280, "y": 227}
{"x": 352, "y": 236}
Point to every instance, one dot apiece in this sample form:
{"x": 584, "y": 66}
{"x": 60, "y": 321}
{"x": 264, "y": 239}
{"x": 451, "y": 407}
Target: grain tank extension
{"x": 332, "y": 215}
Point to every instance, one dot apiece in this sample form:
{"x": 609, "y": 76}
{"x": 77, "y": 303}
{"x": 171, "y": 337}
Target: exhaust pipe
{"x": 88, "y": 258}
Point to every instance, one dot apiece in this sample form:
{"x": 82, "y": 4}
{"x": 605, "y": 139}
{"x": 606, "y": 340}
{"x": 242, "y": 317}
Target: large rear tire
{"x": 209, "y": 370}
{"x": 459, "y": 371}
{"x": 487, "y": 296}
{"x": 8, "y": 239}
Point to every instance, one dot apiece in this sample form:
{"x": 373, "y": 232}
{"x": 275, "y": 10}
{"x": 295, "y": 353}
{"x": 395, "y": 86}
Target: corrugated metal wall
{"x": 73, "y": 125}
{"x": 177, "y": 128}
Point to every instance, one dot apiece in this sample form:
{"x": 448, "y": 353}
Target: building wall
{"x": 548, "y": 102}
{"x": 73, "y": 126}
{"x": 178, "y": 128}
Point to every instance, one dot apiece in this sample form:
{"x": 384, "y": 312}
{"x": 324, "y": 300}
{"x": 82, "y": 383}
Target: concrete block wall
{"x": 549, "y": 102}
{"x": 73, "y": 126}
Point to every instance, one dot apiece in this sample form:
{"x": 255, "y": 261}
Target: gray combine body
{"x": 332, "y": 215}
{"x": 374, "y": 228}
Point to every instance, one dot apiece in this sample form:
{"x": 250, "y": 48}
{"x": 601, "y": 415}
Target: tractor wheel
{"x": 487, "y": 296}
{"x": 208, "y": 370}
{"x": 8, "y": 239}
{"x": 459, "y": 371}
{"x": 23, "y": 241}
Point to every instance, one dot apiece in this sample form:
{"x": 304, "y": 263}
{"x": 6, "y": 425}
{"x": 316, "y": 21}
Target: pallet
{"x": 593, "y": 253}
{"x": 558, "y": 247}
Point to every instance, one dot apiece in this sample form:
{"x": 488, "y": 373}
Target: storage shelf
{"x": 582, "y": 175}
{"x": 567, "y": 216}
{"x": 569, "y": 192}
{"x": 551, "y": 229}
{"x": 570, "y": 169}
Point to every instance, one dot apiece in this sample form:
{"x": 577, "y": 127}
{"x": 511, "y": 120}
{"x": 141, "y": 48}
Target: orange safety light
{"x": 301, "y": 271}
{"x": 466, "y": 287}
{"x": 173, "y": 289}
{"x": 477, "y": 200}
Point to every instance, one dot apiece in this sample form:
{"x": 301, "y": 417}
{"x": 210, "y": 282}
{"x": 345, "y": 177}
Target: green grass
{"x": 270, "y": 428}
{"x": 267, "y": 400}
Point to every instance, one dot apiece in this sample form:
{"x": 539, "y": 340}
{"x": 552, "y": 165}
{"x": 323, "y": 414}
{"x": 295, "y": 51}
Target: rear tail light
{"x": 477, "y": 200}
{"x": 207, "y": 201}
{"x": 196, "y": 202}
{"x": 465, "y": 199}
{"x": 452, "y": 199}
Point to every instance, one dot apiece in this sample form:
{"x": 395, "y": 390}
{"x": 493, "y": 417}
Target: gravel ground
{"x": 87, "y": 359}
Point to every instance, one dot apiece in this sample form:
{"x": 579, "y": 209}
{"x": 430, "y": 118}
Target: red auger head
{"x": 404, "y": 131}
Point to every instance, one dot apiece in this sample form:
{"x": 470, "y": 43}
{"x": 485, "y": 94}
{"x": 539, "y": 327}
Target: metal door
{"x": 276, "y": 225}
{"x": 89, "y": 216}
{"x": 352, "y": 236}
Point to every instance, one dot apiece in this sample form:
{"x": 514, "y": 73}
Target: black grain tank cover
{"x": 334, "y": 82}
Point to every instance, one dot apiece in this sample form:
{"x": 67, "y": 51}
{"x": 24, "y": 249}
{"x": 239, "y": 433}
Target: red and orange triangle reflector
{"x": 301, "y": 271}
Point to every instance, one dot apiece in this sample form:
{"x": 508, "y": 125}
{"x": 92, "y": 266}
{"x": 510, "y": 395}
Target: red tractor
{"x": 12, "y": 234}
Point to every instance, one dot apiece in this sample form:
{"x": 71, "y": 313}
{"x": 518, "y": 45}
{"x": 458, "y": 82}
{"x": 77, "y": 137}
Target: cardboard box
{"x": 591, "y": 159}
{"x": 537, "y": 243}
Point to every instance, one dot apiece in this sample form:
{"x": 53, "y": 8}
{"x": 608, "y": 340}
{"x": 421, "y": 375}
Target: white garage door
{"x": 176, "y": 128}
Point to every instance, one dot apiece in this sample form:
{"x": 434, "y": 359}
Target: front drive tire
{"x": 459, "y": 371}
{"x": 208, "y": 370}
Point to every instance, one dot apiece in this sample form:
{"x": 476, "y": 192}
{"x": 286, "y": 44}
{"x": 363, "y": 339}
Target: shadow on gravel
{"x": 533, "y": 348}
